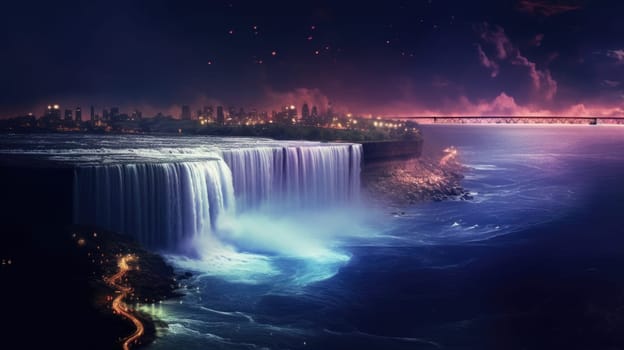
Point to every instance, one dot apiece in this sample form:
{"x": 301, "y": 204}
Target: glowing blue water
{"x": 474, "y": 274}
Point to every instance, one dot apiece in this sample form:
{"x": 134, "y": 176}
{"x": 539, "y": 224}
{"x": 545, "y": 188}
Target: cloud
{"x": 537, "y": 40}
{"x": 497, "y": 37}
{"x": 487, "y": 62}
{"x": 618, "y": 55}
{"x": 546, "y": 8}
{"x": 581, "y": 109}
{"x": 440, "y": 82}
{"x": 313, "y": 97}
{"x": 502, "y": 105}
{"x": 542, "y": 80}
{"x": 611, "y": 83}
{"x": 506, "y": 105}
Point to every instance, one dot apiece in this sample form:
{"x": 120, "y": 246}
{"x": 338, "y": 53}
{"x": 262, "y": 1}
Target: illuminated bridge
{"x": 515, "y": 120}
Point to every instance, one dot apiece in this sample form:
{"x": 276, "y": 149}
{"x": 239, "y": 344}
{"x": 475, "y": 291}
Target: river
{"x": 533, "y": 262}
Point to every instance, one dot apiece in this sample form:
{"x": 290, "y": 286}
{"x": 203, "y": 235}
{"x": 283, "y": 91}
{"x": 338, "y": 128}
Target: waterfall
{"x": 295, "y": 176}
{"x": 168, "y": 204}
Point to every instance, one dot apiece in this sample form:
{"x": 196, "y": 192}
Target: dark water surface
{"x": 535, "y": 261}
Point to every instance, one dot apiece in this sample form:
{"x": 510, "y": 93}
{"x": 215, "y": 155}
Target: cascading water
{"x": 296, "y": 176}
{"x": 168, "y": 205}
{"x": 164, "y": 205}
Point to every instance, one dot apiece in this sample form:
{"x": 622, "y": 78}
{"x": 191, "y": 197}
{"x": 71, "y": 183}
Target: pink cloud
{"x": 546, "y": 8}
{"x": 618, "y": 55}
{"x": 505, "y": 105}
{"x": 313, "y": 97}
{"x": 498, "y": 38}
{"x": 542, "y": 80}
{"x": 611, "y": 83}
{"x": 440, "y": 82}
{"x": 537, "y": 40}
{"x": 487, "y": 62}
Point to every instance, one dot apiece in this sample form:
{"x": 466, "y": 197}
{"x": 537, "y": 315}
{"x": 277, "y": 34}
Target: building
{"x": 305, "y": 114}
{"x": 114, "y": 113}
{"x": 329, "y": 115}
{"x": 93, "y": 119}
{"x": 53, "y": 112}
{"x": 230, "y": 115}
{"x": 305, "y": 111}
{"x": 291, "y": 111}
{"x": 78, "y": 114}
{"x": 69, "y": 115}
{"x": 208, "y": 112}
{"x": 136, "y": 115}
{"x": 220, "y": 115}
{"x": 186, "y": 113}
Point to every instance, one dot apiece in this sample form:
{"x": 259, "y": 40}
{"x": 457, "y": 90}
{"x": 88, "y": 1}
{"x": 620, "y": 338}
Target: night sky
{"x": 389, "y": 57}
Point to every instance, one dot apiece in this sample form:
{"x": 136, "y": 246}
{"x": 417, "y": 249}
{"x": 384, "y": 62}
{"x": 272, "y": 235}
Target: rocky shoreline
{"x": 402, "y": 182}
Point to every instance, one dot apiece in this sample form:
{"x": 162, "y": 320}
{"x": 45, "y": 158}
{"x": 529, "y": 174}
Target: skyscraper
{"x": 92, "y": 114}
{"x": 53, "y": 112}
{"x": 305, "y": 113}
{"x": 208, "y": 112}
{"x": 291, "y": 111}
{"x": 186, "y": 113}
{"x": 78, "y": 114}
{"x": 137, "y": 115}
{"x": 114, "y": 113}
{"x": 220, "y": 116}
{"x": 329, "y": 115}
{"x": 68, "y": 115}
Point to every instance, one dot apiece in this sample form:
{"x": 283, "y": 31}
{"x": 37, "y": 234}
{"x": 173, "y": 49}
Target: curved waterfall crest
{"x": 167, "y": 205}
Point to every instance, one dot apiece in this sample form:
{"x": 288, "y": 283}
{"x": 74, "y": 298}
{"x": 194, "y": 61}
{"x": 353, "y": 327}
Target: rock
{"x": 408, "y": 182}
{"x": 467, "y": 197}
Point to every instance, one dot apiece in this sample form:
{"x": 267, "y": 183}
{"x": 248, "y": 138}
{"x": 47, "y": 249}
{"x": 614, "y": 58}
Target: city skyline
{"x": 522, "y": 57}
